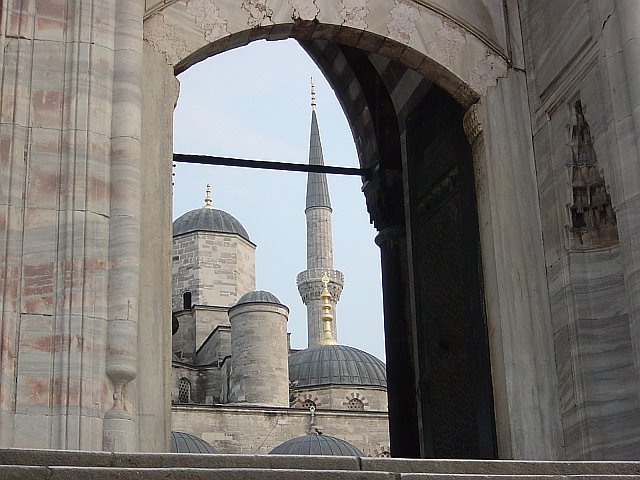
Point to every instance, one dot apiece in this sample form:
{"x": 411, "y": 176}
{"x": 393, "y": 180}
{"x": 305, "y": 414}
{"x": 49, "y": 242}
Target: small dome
{"x": 185, "y": 443}
{"x": 208, "y": 220}
{"x": 315, "y": 444}
{"x": 336, "y": 365}
{"x": 258, "y": 296}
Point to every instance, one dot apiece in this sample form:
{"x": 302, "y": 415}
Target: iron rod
{"x": 269, "y": 165}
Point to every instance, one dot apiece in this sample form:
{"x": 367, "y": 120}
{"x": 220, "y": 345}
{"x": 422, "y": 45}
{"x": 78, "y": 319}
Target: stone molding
{"x": 473, "y": 123}
{"x": 448, "y": 53}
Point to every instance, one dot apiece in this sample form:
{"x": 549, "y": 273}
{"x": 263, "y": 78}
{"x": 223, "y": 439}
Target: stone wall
{"x": 260, "y": 370}
{"x": 205, "y": 383}
{"x": 339, "y": 398}
{"x": 216, "y": 347}
{"x": 216, "y": 268}
{"x": 255, "y": 430}
{"x": 206, "y": 320}
{"x": 577, "y": 166}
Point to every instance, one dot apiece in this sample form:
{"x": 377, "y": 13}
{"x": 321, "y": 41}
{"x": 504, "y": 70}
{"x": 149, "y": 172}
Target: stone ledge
{"x": 499, "y": 467}
{"x": 172, "y": 460}
{"x": 49, "y": 460}
{"x": 23, "y": 472}
{"x": 93, "y": 473}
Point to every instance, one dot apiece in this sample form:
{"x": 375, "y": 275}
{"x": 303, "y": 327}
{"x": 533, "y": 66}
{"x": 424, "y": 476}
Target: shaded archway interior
{"x": 409, "y": 133}
{"x": 421, "y": 198}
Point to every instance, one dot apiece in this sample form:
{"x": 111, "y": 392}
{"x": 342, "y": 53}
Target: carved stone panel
{"x": 591, "y": 219}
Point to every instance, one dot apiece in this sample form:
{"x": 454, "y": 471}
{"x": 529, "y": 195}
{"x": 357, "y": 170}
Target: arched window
{"x": 186, "y": 301}
{"x": 308, "y": 403}
{"x": 184, "y": 391}
{"x": 355, "y": 404}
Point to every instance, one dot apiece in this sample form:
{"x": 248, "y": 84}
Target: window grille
{"x": 184, "y": 391}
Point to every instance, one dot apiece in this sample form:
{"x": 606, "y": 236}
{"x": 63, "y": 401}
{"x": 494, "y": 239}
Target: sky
{"x": 254, "y": 102}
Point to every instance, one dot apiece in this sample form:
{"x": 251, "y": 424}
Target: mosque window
{"x": 308, "y": 403}
{"x": 186, "y": 300}
{"x": 184, "y": 390}
{"x": 355, "y": 404}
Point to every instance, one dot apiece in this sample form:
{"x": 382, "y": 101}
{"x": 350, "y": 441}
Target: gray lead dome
{"x": 258, "y": 296}
{"x": 336, "y": 365}
{"x": 315, "y": 444}
{"x": 208, "y": 220}
{"x": 185, "y": 443}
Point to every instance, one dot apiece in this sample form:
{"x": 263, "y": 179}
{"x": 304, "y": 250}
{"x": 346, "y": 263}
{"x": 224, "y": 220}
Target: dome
{"x": 315, "y": 444}
{"x": 185, "y": 443}
{"x": 208, "y": 220}
{"x": 258, "y": 296}
{"x": 336, "y": 365}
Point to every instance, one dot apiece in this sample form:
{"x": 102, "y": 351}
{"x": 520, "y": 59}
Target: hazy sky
{"x": 254, "y": 102}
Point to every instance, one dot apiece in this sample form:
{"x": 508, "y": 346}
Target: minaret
{"x": 319, "y": 243}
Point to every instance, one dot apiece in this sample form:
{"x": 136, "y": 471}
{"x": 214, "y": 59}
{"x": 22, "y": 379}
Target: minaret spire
{"x": 319, "y": 246}
{"x": 207, "y": 198}
{"x": 327, "y": 318}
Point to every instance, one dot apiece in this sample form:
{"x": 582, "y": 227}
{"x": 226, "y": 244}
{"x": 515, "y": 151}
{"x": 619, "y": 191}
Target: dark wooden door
{"x": 453, "y": 353}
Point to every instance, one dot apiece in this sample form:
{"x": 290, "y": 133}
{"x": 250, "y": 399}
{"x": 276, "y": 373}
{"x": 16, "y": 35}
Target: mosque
{"x": 238, "y": 386}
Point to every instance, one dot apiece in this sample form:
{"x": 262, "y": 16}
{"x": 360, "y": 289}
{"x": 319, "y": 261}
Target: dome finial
{"x": 207, "y": 199}
{"x": 313, "y": 94}
{"x": 326, "y": 317}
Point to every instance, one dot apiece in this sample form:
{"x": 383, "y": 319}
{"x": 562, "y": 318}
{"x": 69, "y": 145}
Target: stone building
{"x": 236, "y": 383}
{"x": 499, "y": 142}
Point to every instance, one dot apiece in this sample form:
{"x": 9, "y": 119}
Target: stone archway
{"x": 459, "y": 56}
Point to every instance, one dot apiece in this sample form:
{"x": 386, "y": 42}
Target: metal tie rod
{"x": 268, "y": 165}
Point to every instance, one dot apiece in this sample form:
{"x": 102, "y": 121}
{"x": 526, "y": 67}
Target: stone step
{"x": 49, "y": 460}
{"x": 23, "y": 472}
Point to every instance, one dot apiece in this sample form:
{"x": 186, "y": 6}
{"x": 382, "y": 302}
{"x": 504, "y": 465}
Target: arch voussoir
{"x": 189, "y": 31}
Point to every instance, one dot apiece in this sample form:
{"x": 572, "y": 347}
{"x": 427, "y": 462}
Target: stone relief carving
{"x": 304, "y": 9}
{"x": 487, "y": 72}
{"x": 449, "y": 42}
{"x": 257, "y": 10}
{"x": 354, "y": 13}
{"x": 592, "y": 221}
{"x": 473, "y": 125}
{"x": 403, "y": 20}
{"x": 206, "y": 15}
{"x": 164, "y": 39}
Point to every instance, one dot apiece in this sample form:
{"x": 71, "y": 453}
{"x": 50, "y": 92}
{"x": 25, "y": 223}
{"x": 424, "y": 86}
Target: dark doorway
{"x": 454, "y": 377}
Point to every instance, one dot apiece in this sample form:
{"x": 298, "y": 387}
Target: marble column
{"x": 404, "y": 431}
{"x": 124, "y": 230}
{"x": 56, "y": 75}
{"x": 528, "y": 424}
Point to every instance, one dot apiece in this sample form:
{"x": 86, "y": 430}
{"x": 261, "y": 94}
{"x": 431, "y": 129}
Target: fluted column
{"x": 56, "y": 77}
{"x": 124, "y": 232}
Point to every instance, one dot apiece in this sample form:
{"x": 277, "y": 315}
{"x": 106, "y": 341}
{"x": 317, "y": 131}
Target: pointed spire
{"x": 207, "y": 199}
{"x": 317, "y": 188}
{"x": 327, "y": 317}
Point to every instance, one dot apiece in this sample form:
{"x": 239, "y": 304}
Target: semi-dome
{"x": 185, "y": 443}
{"x": 316, "y": 444}
{"x": 336, "y": 365}
{"x": 208, "y": 219}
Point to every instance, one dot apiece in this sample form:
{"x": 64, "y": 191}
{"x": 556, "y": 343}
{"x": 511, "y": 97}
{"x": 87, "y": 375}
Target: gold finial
{"x": 326, "y": 317}
{"x": 313, "y": 94}
{"x": 207, "y": 198}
